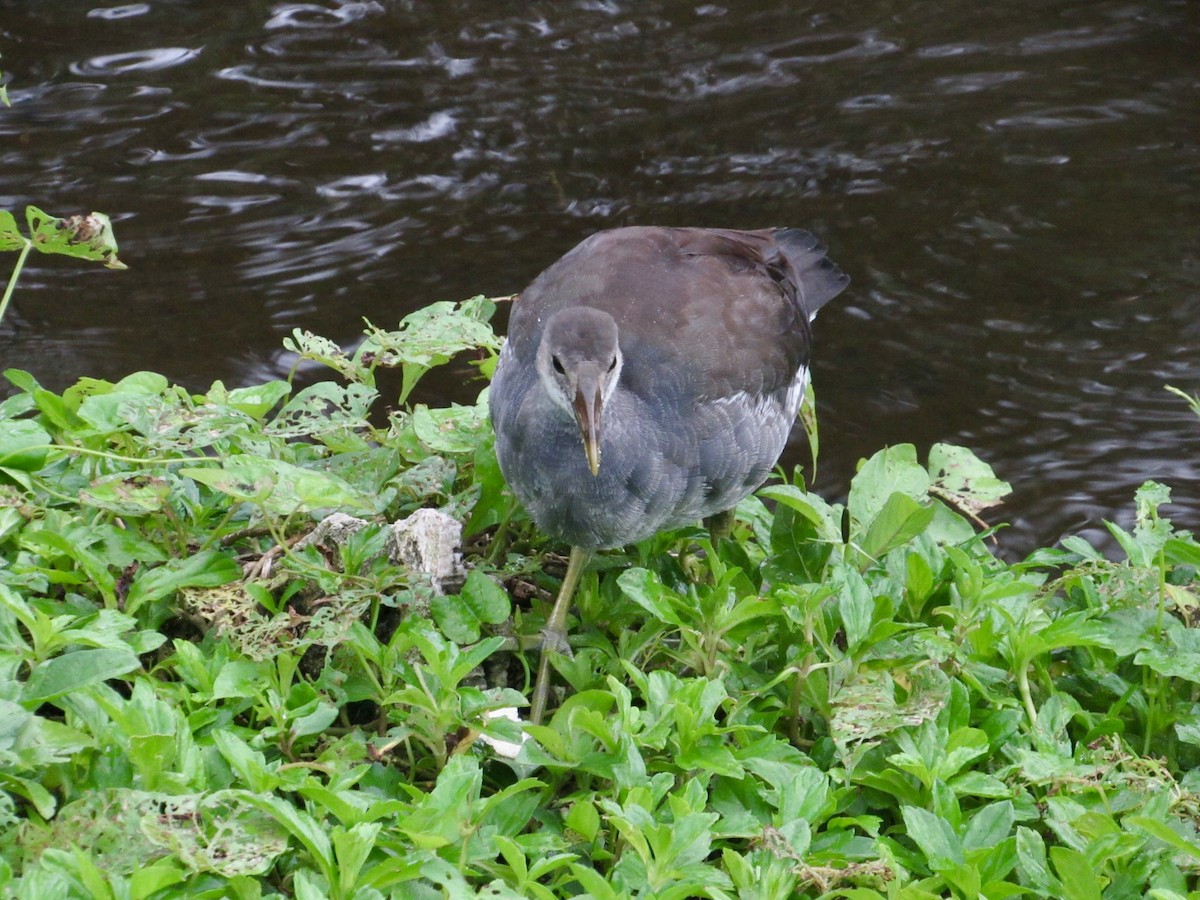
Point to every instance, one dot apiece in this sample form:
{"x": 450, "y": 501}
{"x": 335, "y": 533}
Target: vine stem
{"x": 116, "y": 457}
{"x": 12, "y": 279}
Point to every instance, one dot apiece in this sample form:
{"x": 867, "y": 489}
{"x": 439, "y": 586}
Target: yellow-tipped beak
{"x": 588, "y": 401}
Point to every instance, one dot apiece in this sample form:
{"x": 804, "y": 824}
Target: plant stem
{"x": 12, "y": 279}
{"x": 116, "y": 457}
{"x": 1023, "y": 687}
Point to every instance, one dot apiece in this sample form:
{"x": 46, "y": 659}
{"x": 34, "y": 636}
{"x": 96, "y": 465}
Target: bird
{"x": 650, "y": 379}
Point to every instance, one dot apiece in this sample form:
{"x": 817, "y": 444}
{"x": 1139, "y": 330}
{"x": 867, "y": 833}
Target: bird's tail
{"x": 820, "y": 279}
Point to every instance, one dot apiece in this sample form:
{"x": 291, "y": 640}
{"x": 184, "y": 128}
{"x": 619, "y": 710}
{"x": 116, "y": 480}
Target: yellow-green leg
{"x": 554, "y": 635}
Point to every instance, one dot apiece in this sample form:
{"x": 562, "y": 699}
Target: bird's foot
{"x": 554, "y": 640}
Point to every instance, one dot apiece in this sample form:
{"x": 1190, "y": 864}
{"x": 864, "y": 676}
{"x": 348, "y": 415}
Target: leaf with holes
{"x": 962, "y": 479}
{"x": 83, "y": 237}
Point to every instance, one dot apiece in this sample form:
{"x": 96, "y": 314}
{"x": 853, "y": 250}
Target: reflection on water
{"x": 1013, "y": 189}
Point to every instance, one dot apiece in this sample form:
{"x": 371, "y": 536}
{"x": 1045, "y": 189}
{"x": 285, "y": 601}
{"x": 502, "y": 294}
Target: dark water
{"x": 1014, "y": 188}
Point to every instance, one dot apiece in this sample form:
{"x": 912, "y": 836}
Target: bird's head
{"x": 579, "y": 362}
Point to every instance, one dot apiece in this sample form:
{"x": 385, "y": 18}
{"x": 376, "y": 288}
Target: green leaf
{"x": 23, "y": 445}
{"x": 351, "y": 848}
{"x": 10, "y": 234}
{"x": 256, "y": 401}
{"x": 127, "y": 494}
{"x": 84, "y": 237}
{"x": 1076, "y": 876}
{"x": 810, "y": 506}
{"x": 959, "y": 476}
{"x": 280, "y": 487}
{"x": 208, "y": 568}
{"x": 237, "y": 678}
{"x": 802, "y": 535}
{"x": 583, "y": 819}
{"x": 302, "y": 826}
{"x": 481, "y": 602}
{"x": 438, "y": 820}
{"x": 595, "y": 885}
{"x": 891, "y": 470}
{"x": 899, "y": 521}
{"x": 934, "y": 836}
{"x": 1031, "y": 856}
{"x": 39, "y": 798}
{"x": 980, "y": 784}
{"x": 431, "y": 336}
{"x": 856, "y": 606}
{"x": 645, "y": 589}
{"x": 451, "y": 430}
{"x": 989, "y": 826}
{"x": 75, "y": 670}
{"x": 147, "y": 880}
{"x": 1166, "y": 834}
{"x": 963, "y": 746}
{"x": 315, "y": 722}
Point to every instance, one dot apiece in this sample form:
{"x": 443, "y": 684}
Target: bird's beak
{"x": 589, "y": 400}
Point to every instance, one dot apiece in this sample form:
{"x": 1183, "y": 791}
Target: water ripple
{"x": 1013, "y": 195}
{"x": 136, "y": 61}
{"x": 127, "y": 11}
{"x": 1078, "y": 116}
{"x": 316, "y": 16}
{"x": 439, "y": 125}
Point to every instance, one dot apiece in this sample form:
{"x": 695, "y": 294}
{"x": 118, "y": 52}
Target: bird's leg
{"x": 554, "y": 634}
{"x": 692, "y": 559}
{"x": 720, "y": 525}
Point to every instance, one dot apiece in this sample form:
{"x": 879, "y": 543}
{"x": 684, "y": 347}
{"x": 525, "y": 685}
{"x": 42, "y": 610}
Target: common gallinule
{"x": 650, "y": 379}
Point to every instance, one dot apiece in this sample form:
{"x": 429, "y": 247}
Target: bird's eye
{"x": 612, "y": 365}
{"x": 558, "y": 366}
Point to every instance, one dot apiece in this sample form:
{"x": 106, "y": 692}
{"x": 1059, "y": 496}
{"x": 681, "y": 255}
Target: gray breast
{"x": 662, "y": 465}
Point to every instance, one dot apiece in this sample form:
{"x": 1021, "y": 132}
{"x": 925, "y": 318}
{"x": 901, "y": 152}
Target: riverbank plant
{"x": 856, "y": 699}
{"x": 87, "y": 237}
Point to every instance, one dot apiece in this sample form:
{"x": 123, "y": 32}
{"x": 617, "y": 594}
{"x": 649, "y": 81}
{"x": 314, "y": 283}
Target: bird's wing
{"x": 705, "y": 313}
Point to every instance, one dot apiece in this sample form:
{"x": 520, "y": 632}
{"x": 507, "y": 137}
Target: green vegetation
{"x": 83, "y": 237}
{"x": 858, "y": 701}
